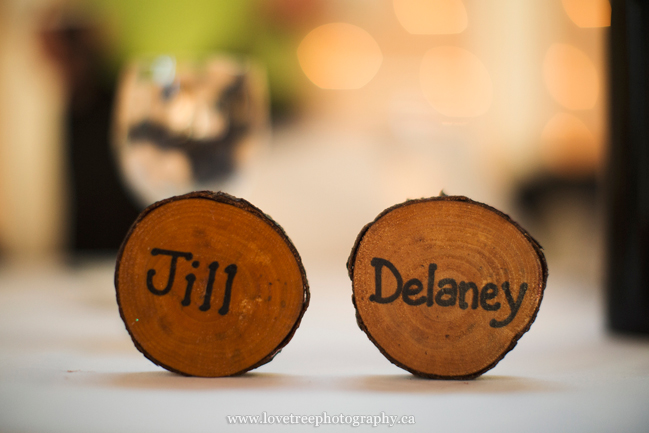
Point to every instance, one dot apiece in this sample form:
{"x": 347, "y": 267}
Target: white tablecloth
{"x": 68, "y": 365}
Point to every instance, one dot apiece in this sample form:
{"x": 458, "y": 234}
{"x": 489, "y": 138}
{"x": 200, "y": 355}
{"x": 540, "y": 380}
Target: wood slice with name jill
{"x": 445, "y": 286}
{"x": 208, "y": 285}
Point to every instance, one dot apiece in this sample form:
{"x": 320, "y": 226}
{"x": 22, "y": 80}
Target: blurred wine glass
{"x": 190, "y": 125}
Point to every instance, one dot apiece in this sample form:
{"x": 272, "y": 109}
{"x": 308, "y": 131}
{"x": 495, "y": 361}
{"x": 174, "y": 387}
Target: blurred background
{"x": 367, "y": 103}
{"x": 323, "y": 113}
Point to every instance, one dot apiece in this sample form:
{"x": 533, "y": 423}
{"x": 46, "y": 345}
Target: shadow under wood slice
{"x": 208, "y": 285}
{"x": 445, "y": 286}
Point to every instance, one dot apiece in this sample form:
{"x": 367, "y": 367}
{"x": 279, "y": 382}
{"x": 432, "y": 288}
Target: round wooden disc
{"x": 445, "y": 286}
{"x": 208, "y": 285}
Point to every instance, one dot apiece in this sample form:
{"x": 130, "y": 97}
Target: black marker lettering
{"x": 210, "y": 285}
{"x": 408, "y": 292}
{"x": 231, "y": 270}
{"x": 188, "y": 291}
{"x": 172, "y": 270}
{"x": 378, "y": 265}
{"x": 489, "y": 291}
{"x": 464, "y": 288}
{"x": 450, "y": 291}
{"x": 513, "y": 305}
{"x": 432, "y": 267}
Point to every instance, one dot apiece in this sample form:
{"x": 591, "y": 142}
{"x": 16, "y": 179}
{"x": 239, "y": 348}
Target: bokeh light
{"x": 339, "y": 56}
{"x": 568, "y": 147}
{"x": 456, "y": 82}
{"x": 431, "y": 17}
{"x": 588, "y": 13}
{"x": 571, "y": 77}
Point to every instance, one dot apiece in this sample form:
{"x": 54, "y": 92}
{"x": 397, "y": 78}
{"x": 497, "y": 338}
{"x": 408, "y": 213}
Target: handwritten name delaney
{"x": 449, "y": 294}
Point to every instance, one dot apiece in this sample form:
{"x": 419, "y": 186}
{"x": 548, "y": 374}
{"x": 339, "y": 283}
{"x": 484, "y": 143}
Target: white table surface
{"x": 68, "y": 365}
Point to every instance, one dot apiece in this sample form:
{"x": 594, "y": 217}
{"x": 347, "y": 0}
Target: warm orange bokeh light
{"x": 339, "y": 56}
{"x": 431, "y": 17}
{"x": 455, "y": 82}
{"x": 588, "y": 13}
{"x": 571, "y": 77}
{"x": 568, "y": 147}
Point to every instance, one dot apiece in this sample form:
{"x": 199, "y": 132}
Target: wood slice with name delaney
{"x": 207, "y": 285}
{"x": 445, "y": 286}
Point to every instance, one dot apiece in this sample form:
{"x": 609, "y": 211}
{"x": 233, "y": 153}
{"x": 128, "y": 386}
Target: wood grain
{"x": 207, "y": 285}
{"x": 445, "y": 286}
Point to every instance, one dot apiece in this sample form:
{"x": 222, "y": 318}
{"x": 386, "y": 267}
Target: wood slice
{"x": 207, "y": 285}
{"x": 445, "y": 286}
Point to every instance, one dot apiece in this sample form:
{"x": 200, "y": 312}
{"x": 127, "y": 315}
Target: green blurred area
{"x": 196, "y": 28}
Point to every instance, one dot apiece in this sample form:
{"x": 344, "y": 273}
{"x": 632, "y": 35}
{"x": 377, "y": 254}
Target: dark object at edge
{"x": 627, "y": 176}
